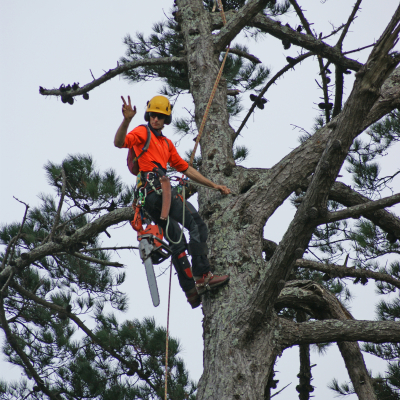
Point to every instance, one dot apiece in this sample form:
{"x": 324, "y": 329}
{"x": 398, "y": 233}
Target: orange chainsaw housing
{"x": 152, "y": 233}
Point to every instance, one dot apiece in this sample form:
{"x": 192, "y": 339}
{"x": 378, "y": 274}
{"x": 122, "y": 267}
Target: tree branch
{"x": 13, "y": 342}
{"x": 344, "y": 131}
{"x": 303, "y": 19}
{"x": 113, "y": 248}
{"x": 293, "y": 62}
{"x": 11, "y": 247}
{"x": 330, "y": 307}
{"x": 347, "y": 26}
{"x": 111, "y": 73}
{"x": 57, "y": 218}
{"x": 93, "y": 260}
{"x": 241, "y": 53}
{"x": 340, "y": 271}
{"x": 338, "y": 331}
{"x": 343, "y": 194}
{"x": 81, "y": 325}
{"x": 237, "y": 22}
{"x": 361, "y": 209}
{"x": 65, "y": 242}
{"x": 276, "y": 29}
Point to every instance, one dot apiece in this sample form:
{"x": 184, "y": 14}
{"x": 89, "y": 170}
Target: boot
{"x": 193, "y": 298}
{"x": 209, "y": 282}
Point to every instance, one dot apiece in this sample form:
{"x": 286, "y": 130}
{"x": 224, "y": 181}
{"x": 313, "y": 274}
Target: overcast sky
{"x": 46, "y": 43}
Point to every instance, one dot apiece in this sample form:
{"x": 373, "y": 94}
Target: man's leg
{"x": 180, "y": 261}
{"x": 197, "y": 245}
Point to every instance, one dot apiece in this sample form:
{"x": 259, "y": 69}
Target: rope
{"x": 166, "y": 343}
{"x": 183, "y": 220}
{"x": 203, "y": 122}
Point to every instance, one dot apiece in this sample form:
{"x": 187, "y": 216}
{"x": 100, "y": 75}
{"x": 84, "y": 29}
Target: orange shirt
{"x": 161, "y": 150}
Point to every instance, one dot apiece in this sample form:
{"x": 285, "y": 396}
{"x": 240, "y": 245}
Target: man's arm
{"x": 199, "y": 178}
{"x": 128, "y": 112}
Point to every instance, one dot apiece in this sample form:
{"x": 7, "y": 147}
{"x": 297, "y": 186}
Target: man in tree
{"x": 152, "y": 165}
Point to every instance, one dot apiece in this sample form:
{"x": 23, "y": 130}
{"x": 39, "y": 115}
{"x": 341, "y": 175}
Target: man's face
{"x": 157, "y": 120}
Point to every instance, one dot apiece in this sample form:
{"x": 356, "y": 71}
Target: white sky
{"x": 46, "y": 43}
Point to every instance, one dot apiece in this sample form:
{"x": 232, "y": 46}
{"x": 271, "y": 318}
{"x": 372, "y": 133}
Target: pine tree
{"x": 294, "y": 292}
{"x": 43, "y": 306}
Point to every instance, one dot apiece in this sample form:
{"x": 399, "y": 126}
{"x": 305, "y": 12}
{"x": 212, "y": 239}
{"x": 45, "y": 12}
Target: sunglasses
{"x": 158, "y": 115}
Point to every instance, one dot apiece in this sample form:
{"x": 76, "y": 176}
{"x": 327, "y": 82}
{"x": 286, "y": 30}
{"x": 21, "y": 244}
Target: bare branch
{"x": 11, "y": 246}
{"x": 361, "y": 209}
{"x": 276, "y": 29}
{"x": 340, "y": 271}
{"x": 328, "y": 306}
{"x": 347, "y": 26}
{"x": 293, "y": 62}
{"x": 349, "y": 197}
{"x": 359, "y": 49}
{"x": 339, "y": 331}
{"x": 300, "y": 14}
{"x": 241, "y": 53}
{"x": 339, "y": 82}
{"x": 113, "y": 248}
{"x": 237, "y": 22}
{"x": 94, "y": 260}
{"x": 57, "y": 217}
{"x": 112, "y": 73}
{"x": 322, "y": 69}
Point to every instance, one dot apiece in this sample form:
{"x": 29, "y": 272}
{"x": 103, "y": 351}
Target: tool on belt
{"x": 152, "y": 248}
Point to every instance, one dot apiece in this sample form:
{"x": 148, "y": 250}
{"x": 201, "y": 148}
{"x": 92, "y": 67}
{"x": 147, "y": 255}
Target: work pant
{"x": 197, "y": 232}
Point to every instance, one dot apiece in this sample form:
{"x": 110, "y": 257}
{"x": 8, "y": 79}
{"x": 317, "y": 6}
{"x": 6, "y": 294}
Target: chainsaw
{"x": 152, "y": 249}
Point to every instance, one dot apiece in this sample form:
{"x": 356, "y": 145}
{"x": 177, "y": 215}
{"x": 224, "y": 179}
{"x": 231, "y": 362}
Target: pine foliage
{"x": 47, "y": 303}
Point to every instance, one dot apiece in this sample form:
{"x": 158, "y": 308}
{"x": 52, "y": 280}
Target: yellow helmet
{"x": 159, "y": 104}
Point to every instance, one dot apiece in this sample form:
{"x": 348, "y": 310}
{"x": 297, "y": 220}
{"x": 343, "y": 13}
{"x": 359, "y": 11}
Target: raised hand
{"x": 127, "y": 111}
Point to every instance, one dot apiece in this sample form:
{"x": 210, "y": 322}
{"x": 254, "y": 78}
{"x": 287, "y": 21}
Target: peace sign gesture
{"x": 127, "y": 111}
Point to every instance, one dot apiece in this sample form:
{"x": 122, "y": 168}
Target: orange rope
{"x": 166, "y": 344}
{"x": 203, "y": 122}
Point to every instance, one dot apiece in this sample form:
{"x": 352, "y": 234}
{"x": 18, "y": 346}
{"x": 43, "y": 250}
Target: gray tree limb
{"x": 64, "y": 242}
{"x": 330, "y": 307}
{"x": 237, "y": 21}
{"x": 242, "y": 53}
{"x": 340, "y": 271}
{"x": 360, "y": 209}
{"x": 365, "y": 93}
{"x": 338, "y": 331}
{"x": 345, "y": 195}
{"x": 276, "y": 29}
{"x": 111, "y": 73}
{"x": 94, "y": 260}
{"x": 60, "y": 204}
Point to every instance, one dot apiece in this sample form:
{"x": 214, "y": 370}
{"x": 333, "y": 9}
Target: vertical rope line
{"x": 166, "y": 343}
{"x": 214, "y": 89}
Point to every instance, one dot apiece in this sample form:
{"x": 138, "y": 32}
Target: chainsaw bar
{"x": 145, "y": 249}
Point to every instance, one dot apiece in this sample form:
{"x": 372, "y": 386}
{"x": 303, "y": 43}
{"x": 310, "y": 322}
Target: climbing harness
{"x": 214, "y": 89}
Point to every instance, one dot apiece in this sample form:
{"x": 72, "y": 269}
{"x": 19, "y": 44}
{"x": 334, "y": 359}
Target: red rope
{"x": 166, "y": 344}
